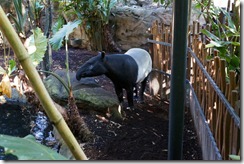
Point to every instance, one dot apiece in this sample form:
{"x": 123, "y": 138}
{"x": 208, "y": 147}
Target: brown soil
{"x": 142, "y": 135}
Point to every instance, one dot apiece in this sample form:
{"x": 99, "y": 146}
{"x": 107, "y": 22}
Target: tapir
{"x": 124, "y": 70}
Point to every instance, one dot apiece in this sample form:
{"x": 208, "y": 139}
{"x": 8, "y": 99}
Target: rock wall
{"x": 132, "y": 24}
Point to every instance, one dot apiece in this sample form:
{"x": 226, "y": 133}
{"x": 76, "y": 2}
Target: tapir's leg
{"x": 142, "y": 89}
{"x": 119, "y": 92}
{"x": 130, "y": 97}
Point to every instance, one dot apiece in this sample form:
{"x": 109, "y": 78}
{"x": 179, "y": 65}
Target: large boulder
{"x": 87, "y": 92}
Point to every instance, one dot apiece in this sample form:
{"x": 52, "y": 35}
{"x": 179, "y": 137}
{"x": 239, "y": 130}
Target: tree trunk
{"x": 101, "y": 38}
{"x": 108, "y": 41}
{"x": 76, "y": 122}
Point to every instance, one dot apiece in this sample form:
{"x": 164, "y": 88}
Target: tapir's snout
{"x": 82, "y": 73}
{"x": 79, "y": 74}
{"x": 78, "y": 77}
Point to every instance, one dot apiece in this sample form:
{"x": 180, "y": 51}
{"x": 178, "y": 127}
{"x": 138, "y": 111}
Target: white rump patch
{"x": 143, "y": 60}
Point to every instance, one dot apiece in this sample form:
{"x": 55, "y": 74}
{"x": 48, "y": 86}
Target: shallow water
{"x": 20, "y": 121}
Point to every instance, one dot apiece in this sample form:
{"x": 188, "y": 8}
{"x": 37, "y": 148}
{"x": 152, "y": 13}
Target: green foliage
{"x": 92, "y": 10}
{"x": 224, "y": 36}
{"x": 58, "y": 25}
{"x": 235, "y": 157}
{"x": 20, "y": 19}
{"x": 57, "y": 39}
{"x": 94, "y": 15}
{"x": 225, "y": 39}
{"x": 35, "y": 7}
{"x": 5, "y": 85}
{"x": 11, "y": 67}
{"x": 37, "y": 46}
{"x": 28, "y": 149}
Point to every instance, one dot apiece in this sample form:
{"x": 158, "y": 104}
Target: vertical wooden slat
{"x": 223, "y": 75}
{"x": 234, "y": 140}
{"x": 159, "y": 62}
{"x": 217, "y": 104}
{"x": 154, "y": 86}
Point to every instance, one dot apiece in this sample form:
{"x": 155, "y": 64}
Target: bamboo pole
{"x": 37, "y": 84}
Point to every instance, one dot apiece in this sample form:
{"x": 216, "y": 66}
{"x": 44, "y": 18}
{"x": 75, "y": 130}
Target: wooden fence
{"x": 219, "y": 99}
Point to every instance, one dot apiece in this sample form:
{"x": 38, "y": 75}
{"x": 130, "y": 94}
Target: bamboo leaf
{"x": 210, "y": 35}
{"x": 28, "y": 149}
{"x": 230, "y": 22}
{"x": 235, "y": 61}
{"x": 57, "y": 40}
{"x": 214, "y": 44}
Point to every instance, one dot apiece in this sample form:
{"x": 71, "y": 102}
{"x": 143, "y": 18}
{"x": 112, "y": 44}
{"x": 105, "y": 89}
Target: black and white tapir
{"x": 125, "y": 71}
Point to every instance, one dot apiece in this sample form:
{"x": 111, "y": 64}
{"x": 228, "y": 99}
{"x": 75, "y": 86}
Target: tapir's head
{"x": 93, "y": 67}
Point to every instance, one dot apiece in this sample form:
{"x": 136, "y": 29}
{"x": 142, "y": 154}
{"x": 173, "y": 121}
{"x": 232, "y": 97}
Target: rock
{"x": 88, "y": 94}
{"x": 132, "y": 24}
{"x": 16, "y": 98}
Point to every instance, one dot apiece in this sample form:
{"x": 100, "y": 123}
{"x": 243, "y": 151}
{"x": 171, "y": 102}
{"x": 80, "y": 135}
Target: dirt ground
{"x": 142, "y": 135}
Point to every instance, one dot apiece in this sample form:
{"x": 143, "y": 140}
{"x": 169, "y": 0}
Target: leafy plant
{"x": 95, "y": 17}
{"x": 225, "y": 39}
{"x": 36, "y": 46}
{"x": 57, "y": 41}
{"x": 63, "y": 33}
{"x": 39, "y": 88}
{"x": 206, "y": 9}
{"x": 5, "y": 86}
{"x": 36, "y": 6}
{"x": 20, "y": 19}
{"x": 75, "y": 122}
{"x": 28, "y": 149}
{"x": 58, "y": 25}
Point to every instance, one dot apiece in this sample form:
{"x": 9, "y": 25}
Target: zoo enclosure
{"x": 211, "y": 95}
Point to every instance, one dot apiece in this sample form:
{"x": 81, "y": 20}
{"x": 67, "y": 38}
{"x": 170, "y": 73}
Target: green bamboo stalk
{"x": 37, "y": 84}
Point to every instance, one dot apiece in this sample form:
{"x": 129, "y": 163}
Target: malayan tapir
{"x": 125, "y": 71}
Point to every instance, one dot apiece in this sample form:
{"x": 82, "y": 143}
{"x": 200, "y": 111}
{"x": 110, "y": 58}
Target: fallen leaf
{"x": 6, "y": 86}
